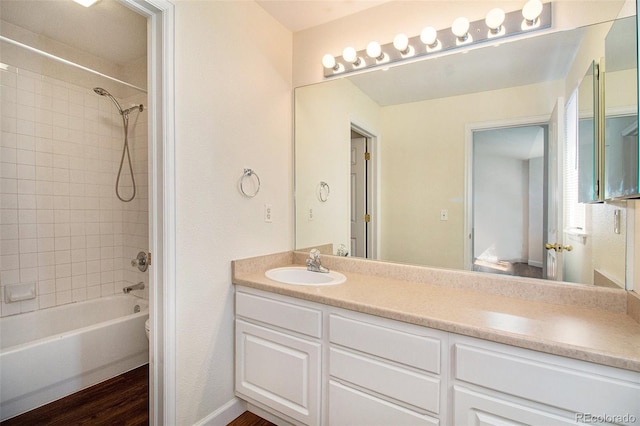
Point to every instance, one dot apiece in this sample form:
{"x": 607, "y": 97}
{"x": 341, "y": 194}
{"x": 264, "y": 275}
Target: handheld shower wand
{"x": 102, "y": 92}
{"x": 125, "y": 149}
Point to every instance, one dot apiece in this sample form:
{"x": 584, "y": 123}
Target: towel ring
{"x": 323, "y": 191}
{"x": 245, "y": 176}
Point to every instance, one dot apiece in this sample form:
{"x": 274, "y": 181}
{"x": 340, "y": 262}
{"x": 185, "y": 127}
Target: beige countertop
{"x": 585, "y": 323}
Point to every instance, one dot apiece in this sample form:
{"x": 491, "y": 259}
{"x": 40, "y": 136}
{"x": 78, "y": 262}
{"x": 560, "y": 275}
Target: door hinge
{"x": 367, "y": 156}
{"x": 367, "y": 217}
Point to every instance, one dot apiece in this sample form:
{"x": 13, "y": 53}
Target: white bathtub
{"x": 48, "y": 354}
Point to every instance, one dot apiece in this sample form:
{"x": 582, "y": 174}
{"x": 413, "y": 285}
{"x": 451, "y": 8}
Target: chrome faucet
{"x": 138, "y": 286}
{"x": 313, "y": 263}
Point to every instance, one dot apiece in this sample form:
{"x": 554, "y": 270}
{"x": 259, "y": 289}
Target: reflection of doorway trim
{"x": 372, "y": 178}
{"x": 468, "y": 169}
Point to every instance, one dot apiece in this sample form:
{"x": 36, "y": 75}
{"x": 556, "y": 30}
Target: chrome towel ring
{"x": 249, "y": 187}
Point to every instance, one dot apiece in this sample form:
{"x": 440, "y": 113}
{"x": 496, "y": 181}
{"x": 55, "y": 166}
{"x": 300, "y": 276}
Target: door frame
{"x": 542, "y": 120}
{"x": 160, "y": 15}
{"x": 373, "y": 184}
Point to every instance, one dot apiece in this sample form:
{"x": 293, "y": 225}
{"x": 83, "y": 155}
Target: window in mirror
{"x": 574, "y": 210}
{"x": 587, "y": 136}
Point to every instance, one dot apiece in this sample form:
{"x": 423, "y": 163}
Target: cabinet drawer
{"x": 410, "y": 349}
{"x": 280, "y": 314}
{"x": 280, "y": 371}
{"x": 518, "y": 373}
{"x": 418, "y": 390}
{"x": 475, "y": 409}
{"x": 351, "y": 407}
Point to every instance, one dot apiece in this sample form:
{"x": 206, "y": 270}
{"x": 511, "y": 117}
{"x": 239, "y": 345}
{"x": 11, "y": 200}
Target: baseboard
{"x": 225, "y": 414}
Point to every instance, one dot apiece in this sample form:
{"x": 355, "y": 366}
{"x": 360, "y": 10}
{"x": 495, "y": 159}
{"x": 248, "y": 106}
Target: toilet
{"x": 146, "y": 328}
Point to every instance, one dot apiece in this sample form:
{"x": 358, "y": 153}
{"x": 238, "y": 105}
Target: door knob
{"x": 557, "y": 247}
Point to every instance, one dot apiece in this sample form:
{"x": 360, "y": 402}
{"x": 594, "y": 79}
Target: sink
{"x": 299, "y": 275}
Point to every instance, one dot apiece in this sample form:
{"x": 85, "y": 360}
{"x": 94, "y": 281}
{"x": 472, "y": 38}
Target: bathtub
{"x": 48, "y": 354}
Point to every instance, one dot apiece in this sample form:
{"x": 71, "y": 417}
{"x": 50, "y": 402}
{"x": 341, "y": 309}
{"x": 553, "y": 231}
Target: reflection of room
{"x": 508, "y": 169}
{"x": 423, "y": 154}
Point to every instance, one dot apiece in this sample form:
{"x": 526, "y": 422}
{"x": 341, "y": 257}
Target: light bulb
{"x": 401, "y": 42}
{"x": 531, "y": 11}
{"x": 328, "y": 61}
{"x": 350, "y": 55}
{"x": 460, "y": 28}
{"x": 375, "y": 51}
{"x": 429, "y": 36}
{"x": 495, "y": 19}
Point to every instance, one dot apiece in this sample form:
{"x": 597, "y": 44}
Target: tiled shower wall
{"x": 61, "y": 225}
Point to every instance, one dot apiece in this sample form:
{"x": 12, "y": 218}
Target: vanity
{"x": 410, "y": 345}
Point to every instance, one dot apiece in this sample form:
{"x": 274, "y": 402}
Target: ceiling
{"x": 300, "y": 15}
{"x": 87, "y": 29}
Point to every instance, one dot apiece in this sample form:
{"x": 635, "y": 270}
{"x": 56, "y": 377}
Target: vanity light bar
{"x": 485, "y": 30}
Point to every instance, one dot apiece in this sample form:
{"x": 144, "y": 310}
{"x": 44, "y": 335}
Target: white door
{"x": 358, "y": 196}
{"x": 554, "y": 238}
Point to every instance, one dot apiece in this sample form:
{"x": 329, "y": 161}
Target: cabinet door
{"x": 278, "y": 370}
{"x": 475, "y": 409}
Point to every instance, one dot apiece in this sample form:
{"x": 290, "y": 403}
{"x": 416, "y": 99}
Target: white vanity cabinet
{"x": 308, "y": 363}
{"x": 383, "y": 372}
{"x": 278, "y": 356}
{"x": 496, "y": 384}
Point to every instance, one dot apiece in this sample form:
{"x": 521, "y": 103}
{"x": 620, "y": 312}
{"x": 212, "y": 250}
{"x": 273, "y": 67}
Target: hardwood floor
{"x": 123, "y": 400}
{"x": 250, "y": 419}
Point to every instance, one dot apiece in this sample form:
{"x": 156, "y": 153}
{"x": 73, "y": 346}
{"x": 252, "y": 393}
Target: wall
{"x": 233, "y": 111}
{"x": 61, "y": 225}
{"x": 501, "y": 206}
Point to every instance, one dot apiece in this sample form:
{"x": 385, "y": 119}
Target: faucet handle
{"x": 314, "y": 254}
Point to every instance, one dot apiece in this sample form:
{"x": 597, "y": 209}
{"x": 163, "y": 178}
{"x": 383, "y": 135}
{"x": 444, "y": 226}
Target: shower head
{"x": 125, "y": 113}
{"x": 100, "y": 91}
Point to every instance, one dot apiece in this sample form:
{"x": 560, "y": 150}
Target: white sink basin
{"x": 299, "y": 275}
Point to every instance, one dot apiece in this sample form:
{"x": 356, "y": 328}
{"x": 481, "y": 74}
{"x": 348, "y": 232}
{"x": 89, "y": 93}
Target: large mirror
{"x": 427, "y": 127}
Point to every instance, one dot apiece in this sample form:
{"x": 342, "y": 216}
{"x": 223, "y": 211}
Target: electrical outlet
{"x": 444, "y": 214}
{"x": 268, "y": 213}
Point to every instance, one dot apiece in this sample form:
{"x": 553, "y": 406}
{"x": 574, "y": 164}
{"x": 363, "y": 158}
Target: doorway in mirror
{"x": 507, "y": 200}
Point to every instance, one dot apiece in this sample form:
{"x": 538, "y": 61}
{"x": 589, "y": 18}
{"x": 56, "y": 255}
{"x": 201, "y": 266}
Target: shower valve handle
{"x": 141, "y": 261}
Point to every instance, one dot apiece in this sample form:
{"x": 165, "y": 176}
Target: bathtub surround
{"x": 62, "y": 226}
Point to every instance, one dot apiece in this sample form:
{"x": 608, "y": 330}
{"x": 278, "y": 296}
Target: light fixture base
{"x": 513, "y": 25}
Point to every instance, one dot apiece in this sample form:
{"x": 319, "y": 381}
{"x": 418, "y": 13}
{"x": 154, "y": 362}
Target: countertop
{"x": 585, "y": 323}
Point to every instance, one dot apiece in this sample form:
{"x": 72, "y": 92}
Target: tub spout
{"x": 138, "y": 286}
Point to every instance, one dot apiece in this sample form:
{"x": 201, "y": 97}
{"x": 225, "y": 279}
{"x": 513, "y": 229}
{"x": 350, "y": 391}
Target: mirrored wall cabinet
{"x": 608, "y": 120}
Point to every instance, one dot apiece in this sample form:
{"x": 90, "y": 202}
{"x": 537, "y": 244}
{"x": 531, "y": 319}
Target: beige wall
{"x": 233, "y": 111}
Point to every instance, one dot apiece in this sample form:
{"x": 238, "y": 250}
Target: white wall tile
{"x": 60, "y": 222}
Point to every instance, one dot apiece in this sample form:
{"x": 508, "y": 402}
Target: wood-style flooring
{"x": 249, "y": 419}
{"x": 123, "y": 400}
